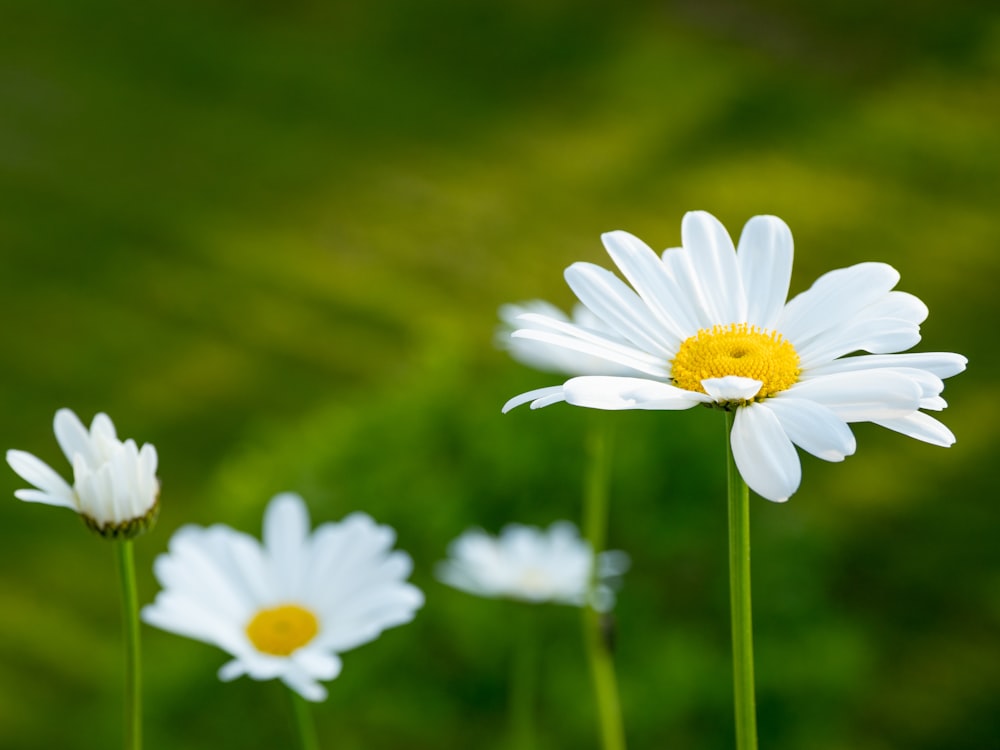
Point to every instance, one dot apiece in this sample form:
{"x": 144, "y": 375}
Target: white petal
{"x": 304, "y": 686}
{"x": 764, "y": 455}
{"x": 657, "y": 288}
{"x": 597, "y": 392}
{"x": 175, "y": 613}
{"x": 834, "y": 298}
{"x": 231, "y": 670}
{"x": 555, "y": 397}
{"x": 547, "y": 358}
{"x": 731, "y": 388}
{"x": 690, "y": 297}
{"x": 714, "y": 258}
{"x": 613, "y": 563}
{"x": 546, "y": 395}
{"x": 813, "y": 427}
{"x": 765, "y": 261}
{"x": 73, "y": 437}
{"x": 286, "y": 531}
{"x": 920, "y": 426}
{"x": 879, "y": 336}
{"x": 901, "y": 305}
{"x": 321, "y": 665}
{"x": 942, "y": 364}
{"x": 54, "y": 489}
{"x": 510, "y": 313}
{"x": 862, "y": 395}
{"x": 614, "y": 353}
{"x": 618, "y": 306}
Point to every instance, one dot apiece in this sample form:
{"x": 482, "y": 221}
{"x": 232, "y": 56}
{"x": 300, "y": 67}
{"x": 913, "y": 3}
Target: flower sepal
{"x": 123, "y": 530}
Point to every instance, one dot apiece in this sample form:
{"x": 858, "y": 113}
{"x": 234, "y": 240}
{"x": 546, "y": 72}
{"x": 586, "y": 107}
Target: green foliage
{"x": 271, "y": 239}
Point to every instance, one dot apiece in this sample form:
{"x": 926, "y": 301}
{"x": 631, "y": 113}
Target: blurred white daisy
{"x": 286, "y": 608}
{"x": 534, "y": 565}
{"x": 115, "y": 489}
{"x": 708, "y": 323}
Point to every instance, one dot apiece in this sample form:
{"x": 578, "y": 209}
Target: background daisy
{"x": 534, "y": 565}
{"x": 286, "y": 608}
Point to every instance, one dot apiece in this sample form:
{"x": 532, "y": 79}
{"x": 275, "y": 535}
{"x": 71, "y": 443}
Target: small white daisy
{"x": 115, "y": 489}
{"x": 286, "y": 608}
{"x": 708, "y": 323}
{"x": 534, "y": 565}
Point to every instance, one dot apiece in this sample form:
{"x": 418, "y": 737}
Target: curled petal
{"x": 539, "y": 397}
{"x": 731, "y": 388}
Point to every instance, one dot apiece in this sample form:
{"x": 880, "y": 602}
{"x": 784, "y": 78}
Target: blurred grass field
{"x": 271, "y": 239}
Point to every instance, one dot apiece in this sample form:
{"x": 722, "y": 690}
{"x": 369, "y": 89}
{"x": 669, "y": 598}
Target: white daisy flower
{"x": 286, "y": 608}
{"x": 115, "y": 489}
{"x": 708, "y": 323}
{"x": 534, "y": 565}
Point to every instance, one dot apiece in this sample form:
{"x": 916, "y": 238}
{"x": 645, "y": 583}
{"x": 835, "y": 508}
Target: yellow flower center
{"x": 281, "y": 630}
{"x": 736, "y": 349}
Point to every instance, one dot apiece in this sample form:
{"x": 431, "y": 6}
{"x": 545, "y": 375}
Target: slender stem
{"x": 739, "y": 600}
{"x": 130, "y": 620}
{"x": 598, "y": 646}
{"x": 524, "y": 680}
{"x": 305, "y": 728}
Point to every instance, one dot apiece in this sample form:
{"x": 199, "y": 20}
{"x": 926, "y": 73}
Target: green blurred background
{"x": 271, "y": 239}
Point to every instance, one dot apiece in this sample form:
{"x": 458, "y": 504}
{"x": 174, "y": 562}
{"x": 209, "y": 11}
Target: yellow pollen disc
{"x": 736, "y": 349}
{"x": 281, "y": 630}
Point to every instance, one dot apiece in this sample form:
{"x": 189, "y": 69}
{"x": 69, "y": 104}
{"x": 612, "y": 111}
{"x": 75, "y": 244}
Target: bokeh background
{"x": 271, "y": 238}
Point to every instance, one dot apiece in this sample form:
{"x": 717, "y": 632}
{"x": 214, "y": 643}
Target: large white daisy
{"x": 287, "y": 608}
{"x": 708, "y": 323}
{"x": 534, "y": 565}
{"x": 115, "y": 489}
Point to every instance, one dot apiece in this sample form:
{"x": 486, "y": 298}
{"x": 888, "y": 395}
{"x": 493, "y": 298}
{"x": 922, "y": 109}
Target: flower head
{"x": 533, "y": 565}
{"x": 115, "y": 489}
{"x": 708, "y": 323}
{"x": 286, "y": 608}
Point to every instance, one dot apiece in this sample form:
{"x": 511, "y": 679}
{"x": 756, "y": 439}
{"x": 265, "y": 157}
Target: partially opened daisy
{"x": 116, "y": 493}
{"x": 115, "y": 489}
{"x": 534, "y": 565}
{"x": 708, "y": 323}
{"x": 286, "y": 608}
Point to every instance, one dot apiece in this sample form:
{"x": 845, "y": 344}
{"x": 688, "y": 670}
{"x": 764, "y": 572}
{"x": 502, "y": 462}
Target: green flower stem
{"x": 130, "y": 619}
{"x": 598, "y": 647}
{"x": 305, "y": 728}
{"x": 524, "y": 678}
{"x": 739, "y": 599}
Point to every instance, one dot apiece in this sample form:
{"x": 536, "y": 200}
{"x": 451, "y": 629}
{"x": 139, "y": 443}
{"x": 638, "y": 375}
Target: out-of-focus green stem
{"x": 130, "y": 621}
{"x": 304, "y": 725}
{"x": 595, "y": 523}
{"x": 739, "y": 599}
{"x": 524, "y": 679}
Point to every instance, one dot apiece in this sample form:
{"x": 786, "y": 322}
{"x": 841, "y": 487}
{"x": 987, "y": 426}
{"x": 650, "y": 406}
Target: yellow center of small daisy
{"x": 281, "y": 630}
{"x": 736, "y": 349}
